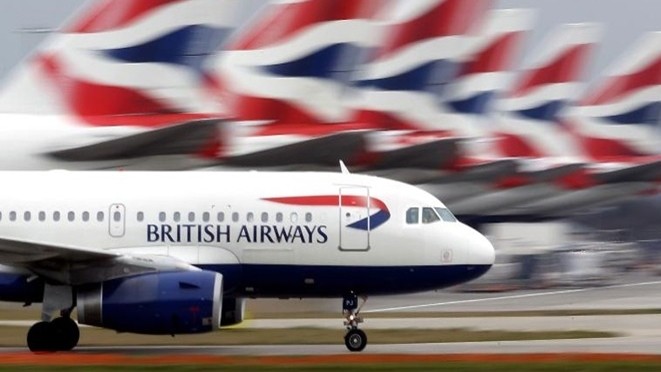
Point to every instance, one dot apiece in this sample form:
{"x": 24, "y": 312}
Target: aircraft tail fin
{"x": 404, "y": 84}
{"x": 528, "y": 124}
{"x": 290, "y": 65}
{"x": 552, "y": 80}
{"x": 484, "y": 75}
{"x": 128, "y": 59}
{"x": 619, "y": 118}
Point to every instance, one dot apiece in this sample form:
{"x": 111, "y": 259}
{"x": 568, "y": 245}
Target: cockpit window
{"x": 412, "y": 215}
{"x": 446, "y": 215}
{"x": 429, "y": 216}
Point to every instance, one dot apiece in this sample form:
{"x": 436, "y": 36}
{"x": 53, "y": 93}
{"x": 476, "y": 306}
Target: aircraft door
{"x": 117, "y": 220}
{"x": 354, "y": 218}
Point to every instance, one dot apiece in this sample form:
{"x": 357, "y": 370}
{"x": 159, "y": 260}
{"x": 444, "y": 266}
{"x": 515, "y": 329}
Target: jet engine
{"x": 158, "y": 303}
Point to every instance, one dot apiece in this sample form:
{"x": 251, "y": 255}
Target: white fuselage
{"x": 270, "y": 234}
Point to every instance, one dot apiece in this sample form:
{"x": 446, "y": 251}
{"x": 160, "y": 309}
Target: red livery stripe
{"x": 114, "y": 14}
{"x": 331, "y": 200}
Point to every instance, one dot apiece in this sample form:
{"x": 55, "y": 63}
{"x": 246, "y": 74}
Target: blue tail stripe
{"x": 649, "y": 114}
{"x": 188, "y": 47}
{"x": 432, "y": 77}
{"x": 335, "y": 62}
{"x": 478, "y": 104}
{"x": 546, "y": 112}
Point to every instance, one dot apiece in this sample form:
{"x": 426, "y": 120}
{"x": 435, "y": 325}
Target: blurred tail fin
{"x": 620, "y": 116}
{"x": 291, "y": 64}
{"x": 124, "y": 59}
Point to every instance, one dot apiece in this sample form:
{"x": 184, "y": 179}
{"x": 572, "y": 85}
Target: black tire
{"x": 40, "y": 337}
{"x": 66, "y": 333}
{"x": 355, "y": 340}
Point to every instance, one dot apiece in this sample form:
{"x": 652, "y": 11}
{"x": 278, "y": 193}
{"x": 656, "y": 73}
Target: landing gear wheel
{"x": 40, "y": 337}
{"x": 355, "y": 340}
{"x": 66, "y": 333}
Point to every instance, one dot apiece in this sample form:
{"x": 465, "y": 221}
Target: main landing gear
{"x": 355, "y": 339}
{"x": 61, "y": 334}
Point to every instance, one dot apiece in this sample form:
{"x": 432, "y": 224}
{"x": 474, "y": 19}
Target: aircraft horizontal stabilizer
{"x": 185, "y": 138}
{"x": 325, "y": 150}
{"x": 429, "y": 155}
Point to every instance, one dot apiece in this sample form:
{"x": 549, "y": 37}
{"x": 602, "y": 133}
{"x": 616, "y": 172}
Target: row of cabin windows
{"x": 56, "y": 216}
{"x": 70, "y": 216}
{"x": 235, "y": 217}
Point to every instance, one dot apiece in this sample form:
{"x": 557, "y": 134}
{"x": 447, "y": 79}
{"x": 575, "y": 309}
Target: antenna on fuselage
{"x": 344, "y": 168}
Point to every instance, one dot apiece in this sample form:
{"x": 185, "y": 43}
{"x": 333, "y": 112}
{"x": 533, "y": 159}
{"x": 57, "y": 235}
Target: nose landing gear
{"x": 355, "y": 339}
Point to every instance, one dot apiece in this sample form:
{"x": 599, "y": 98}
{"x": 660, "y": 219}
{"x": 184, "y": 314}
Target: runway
{"x": 638, "y": 333}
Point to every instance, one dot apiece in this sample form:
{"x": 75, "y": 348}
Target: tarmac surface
{"x": 638, "y": 333}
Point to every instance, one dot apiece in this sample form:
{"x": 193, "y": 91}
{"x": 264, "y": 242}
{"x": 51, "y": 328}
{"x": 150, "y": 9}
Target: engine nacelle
{"x": 160, "y": 303}
{"x": 233, "y": 311}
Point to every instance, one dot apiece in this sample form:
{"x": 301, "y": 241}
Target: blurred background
{"x": 538, "y": 125}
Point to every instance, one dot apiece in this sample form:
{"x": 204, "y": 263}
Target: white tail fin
{"x": 124, "y": 59}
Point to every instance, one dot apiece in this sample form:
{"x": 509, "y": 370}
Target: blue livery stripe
{"x": 432, "y": 77}
{"x": 189, "y": 47}
{"x": 649, "y": 114}
{"x": 375, "y": 221}
{"x": 478, "y": 104}
{"x": 546, "y": 112}
{"x": 335, "y": 62}
{"x": 335, "y": 281}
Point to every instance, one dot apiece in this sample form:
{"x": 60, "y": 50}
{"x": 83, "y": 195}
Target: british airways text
{"x": 263, "y": 234}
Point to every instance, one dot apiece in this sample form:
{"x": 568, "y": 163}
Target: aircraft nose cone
{"x": 481, "y": 250}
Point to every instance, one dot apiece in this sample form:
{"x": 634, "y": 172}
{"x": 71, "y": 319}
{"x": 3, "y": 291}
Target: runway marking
{"x": 527, "y": 295}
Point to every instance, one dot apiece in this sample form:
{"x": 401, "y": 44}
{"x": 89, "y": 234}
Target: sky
{"x": 24, "y": 23}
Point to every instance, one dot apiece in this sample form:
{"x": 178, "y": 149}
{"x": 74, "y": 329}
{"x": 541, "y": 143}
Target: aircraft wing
{"x": 649, "y": 171}
{"x": 185, "y": 138}
{"x": 433, "y": 154}
{"x": 321, "y": 150}
{"x": 76, "y": 265}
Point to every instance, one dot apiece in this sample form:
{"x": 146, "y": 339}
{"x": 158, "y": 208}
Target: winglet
{"x": 344, "y": 168}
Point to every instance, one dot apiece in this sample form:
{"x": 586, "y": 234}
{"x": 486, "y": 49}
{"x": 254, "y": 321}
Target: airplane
{"x": 178, "y": 253}
{"x": 119, "y": 86}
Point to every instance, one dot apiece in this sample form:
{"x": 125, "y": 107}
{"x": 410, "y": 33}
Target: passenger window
{"x": 293, "y": 217}
{"x": 308, "y": 217}
{"x": 56, "y": 216}
{"x": 221, "y": 217}
{"x": 27, "y": 216}
{"x": 279, "y": 217}
{"x": 206, "y": 216}
{"x": 265, "y": 217}
{"x": 250, "y": 217}
{"x": 235, "y": 217}
{"x": 412, "y": 215}
{"x": 117, "y": 216}
{"x": 0, "y": 216}
{"x": 162, "y": 216}
{"x": 100, "y": 216}
{"x": 12, "y": 216}
{"x": 42, "y": 216}
{"x": 446, "y": 215}
{"x": 429, "y": 216}
{"x": 140, "y": 217}
{"x": 86, "y": 216}
{"x": 191, "y": 216}
{"x": 71, "y": 216}
{"x": 176, "y": 216}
